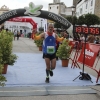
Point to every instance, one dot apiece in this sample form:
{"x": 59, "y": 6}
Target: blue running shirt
{"x": 49, "y": 44}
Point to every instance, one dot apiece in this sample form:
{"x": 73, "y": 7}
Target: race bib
{"x": 50, "y": 49}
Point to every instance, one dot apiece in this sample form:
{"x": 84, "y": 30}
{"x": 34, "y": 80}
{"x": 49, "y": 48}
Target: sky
{"x": 15, "y": 4}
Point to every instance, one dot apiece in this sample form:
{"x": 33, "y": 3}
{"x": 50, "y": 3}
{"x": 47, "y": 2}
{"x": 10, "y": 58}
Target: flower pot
{"x": 40, "y": 48}
{"x": 5, "y": 69}
{"x": 65, "y": 63}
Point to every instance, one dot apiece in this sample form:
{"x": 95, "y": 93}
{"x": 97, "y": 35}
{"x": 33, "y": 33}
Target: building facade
{"x": 97, "y": 8}
{"x": 88, "y": 6}
{"x": 3, "y": 9}
{"x": 59, "y": 8}
{"x": 75, "y": 2}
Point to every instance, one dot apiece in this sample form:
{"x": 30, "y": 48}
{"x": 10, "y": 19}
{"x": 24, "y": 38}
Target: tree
{"x": 88, "y": 19}
{"x": 69, "y": 18}
{"x": 72, "y": 19}
{"x": 57, "y": 25}
{"x": 91, "y": 19}
{"x": 80, "y": 20}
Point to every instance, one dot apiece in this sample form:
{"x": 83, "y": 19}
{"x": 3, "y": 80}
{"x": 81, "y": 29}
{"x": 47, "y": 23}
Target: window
{"x": 50, "y": 7}
{"x": 57, "y": 7}
{"x": 91, "y": 2}
{"x": 86, "y": 5}
{"x": 80, "y": 10}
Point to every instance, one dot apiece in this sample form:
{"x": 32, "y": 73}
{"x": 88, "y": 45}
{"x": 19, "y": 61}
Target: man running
{"x": 49, "y": 49}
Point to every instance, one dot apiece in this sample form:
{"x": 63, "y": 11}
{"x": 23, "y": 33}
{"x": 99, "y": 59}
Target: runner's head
{"x": 50, "y": 28}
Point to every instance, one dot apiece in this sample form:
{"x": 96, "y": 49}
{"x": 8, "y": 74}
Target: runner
{"x": 49, "y": 49}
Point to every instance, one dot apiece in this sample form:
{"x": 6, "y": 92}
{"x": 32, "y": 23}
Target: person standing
{"x": 49, "y": 49}
{"x": 15, "y": 33}
{"x": 18, "y": 35}
{"x": 91, "y": 39}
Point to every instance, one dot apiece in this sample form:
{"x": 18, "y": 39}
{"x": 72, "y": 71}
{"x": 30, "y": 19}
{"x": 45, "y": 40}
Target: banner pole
{"x": 84, "y": 53}
{"x": 82, "y": 74}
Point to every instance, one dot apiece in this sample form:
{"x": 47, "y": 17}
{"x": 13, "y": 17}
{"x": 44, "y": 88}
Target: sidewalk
{"x": 25, "y": 45}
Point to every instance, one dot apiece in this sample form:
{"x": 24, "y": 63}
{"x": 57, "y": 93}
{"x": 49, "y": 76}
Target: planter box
{"x": 65, "y": 63}
{"x": 5, "y": 69}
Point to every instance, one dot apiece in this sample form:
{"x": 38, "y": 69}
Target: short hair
{"x": 50, "y": 24}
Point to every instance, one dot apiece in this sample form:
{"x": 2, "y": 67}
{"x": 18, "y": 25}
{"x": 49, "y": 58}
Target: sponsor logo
{"x": 59, "y": 19}
{"x": 89, "y": 53}
{"x": 17, "y": 19}
{"x": 7, "y": 15}
{"x": 33, "y": 10}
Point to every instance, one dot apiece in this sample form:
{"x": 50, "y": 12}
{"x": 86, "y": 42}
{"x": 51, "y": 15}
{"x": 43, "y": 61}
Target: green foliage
{"x": 81, "y": 20}
{"x": 6, "y": 39}
{"x": 38, "y": 42}
{"x": 6, "y": 56}
{"x": 69, "y": 18}
{"x": 72, "y": 19}
{"x": 12, "y": 59}
{"x": 88, "y": 19}
{"x": 64, "y": 49}
{"x": 2, "y": 78}
{"x": 57, "y": 25}
{"x": 91, "y": 19}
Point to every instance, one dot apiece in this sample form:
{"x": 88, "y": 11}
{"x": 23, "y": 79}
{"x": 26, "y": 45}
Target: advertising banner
{"x": 21, "y": 19}
{"x": 91, "y": 52}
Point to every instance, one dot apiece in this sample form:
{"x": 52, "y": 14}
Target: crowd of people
{"x": 89, "y": 38}
{"x": 16, "y": 34}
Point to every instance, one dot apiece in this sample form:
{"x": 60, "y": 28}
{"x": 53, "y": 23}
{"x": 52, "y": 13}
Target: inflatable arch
{"x": 21, "y": 19}
{"x": 35, "y": 10}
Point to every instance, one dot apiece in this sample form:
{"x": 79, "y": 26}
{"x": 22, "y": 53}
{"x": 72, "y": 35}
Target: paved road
{"x": 27, "y": 46}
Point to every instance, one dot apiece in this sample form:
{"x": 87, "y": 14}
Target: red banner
{"x": 72, "y": 43}
{"x": 91, "y": 52}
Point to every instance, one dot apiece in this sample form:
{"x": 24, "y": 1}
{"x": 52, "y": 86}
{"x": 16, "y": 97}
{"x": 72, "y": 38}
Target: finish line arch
{"x": 21, "y": 19}
{"x": 36, "y": 11}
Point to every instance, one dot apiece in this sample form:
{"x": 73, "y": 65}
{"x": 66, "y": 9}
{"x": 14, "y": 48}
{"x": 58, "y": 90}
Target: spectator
{"x": 18, "y": 35}
{"x": 15, "y": 33}
{"x": 91, "y": 39}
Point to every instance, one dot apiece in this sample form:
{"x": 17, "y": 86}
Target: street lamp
{"x": 41, "y": 23}
{"x": 73, "y": 11}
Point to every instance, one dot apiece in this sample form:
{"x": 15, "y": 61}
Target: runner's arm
{"x": 37, "y": 37}
{"x": 59, "y": 39}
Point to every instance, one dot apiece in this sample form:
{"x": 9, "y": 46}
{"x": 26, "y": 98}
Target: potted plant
{"x": 39, "y": 43}
{"x": 63, "y": 52}
{"x": 2, "y": 78}
{"x": 6, "y": 55}
{"x": 10, "y": 61}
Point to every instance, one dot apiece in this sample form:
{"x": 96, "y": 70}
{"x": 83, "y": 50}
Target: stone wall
{"x": 97, "y": 8}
